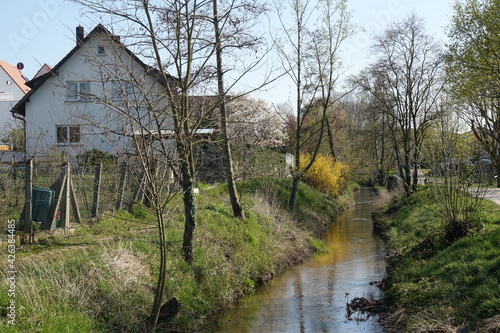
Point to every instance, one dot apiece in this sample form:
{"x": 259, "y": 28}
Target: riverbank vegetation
{"x": 434, "y": 284}
{"x": 101, "y": 278}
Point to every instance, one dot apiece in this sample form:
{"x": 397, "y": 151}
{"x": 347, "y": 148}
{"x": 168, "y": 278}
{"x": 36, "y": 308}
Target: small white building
{"x": 96, "y": 97}
{"x": 12, "y": 90}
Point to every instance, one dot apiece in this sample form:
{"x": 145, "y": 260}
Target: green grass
{"x": 436, "y": 285}
{"x": 101, "y": 278}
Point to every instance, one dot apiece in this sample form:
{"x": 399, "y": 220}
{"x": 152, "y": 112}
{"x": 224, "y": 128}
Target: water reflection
{"x": 312, "y": 297}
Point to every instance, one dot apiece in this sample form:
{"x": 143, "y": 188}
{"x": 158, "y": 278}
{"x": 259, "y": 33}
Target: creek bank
{"x": 312, "y": 296}
{"x": 106, "y": 284}
{"x": 313, "y": 218}
{"x": 432, "y": 285}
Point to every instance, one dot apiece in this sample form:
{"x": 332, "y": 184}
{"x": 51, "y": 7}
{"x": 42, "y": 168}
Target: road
{"x": 493, "y": 194}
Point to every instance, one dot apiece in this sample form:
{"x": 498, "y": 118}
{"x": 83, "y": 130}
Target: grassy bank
{"x": 101, "y": 278}
{"x": 434, "y": 285}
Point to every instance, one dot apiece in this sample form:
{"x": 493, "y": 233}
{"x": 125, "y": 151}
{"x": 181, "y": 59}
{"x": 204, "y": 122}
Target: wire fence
{"x": 107, "y": 187}
{"x": 116, "y": 191}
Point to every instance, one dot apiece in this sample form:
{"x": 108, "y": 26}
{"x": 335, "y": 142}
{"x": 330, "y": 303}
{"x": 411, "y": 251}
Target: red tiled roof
{"x": 16, "y": 75}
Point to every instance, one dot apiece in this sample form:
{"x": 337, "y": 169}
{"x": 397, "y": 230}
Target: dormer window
{"x": 101, "y": 51}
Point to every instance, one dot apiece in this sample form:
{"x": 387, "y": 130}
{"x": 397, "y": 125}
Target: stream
{"x": 312, "y": 297}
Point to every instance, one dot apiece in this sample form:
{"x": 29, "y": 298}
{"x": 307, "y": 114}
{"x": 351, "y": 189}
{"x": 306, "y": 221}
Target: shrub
{"x": 95, "y": 156}
{"x": 327, "y": 174}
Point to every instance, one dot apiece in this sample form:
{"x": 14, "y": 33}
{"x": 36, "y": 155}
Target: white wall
{"x": 98, "y": 117}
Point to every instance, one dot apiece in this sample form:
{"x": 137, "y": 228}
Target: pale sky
{"x": 35, "y": 32}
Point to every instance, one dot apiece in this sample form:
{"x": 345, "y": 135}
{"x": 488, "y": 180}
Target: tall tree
{"x": 227, "y": 159}
{"x": 170, "y": 35}
{"x": 370, "y": 139}
{"x": 228, "y": 33}
{"x": 473, "y": 68}
{"x": 309, "y": 52}
{"x": 406, "y": 80}
{"x": 174, "y": 37}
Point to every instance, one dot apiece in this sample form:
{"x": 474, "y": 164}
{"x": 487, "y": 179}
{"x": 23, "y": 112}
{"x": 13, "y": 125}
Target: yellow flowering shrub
{"x": 326, "y": 174}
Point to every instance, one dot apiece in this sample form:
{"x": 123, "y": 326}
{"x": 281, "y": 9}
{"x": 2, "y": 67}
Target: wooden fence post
{"x": 138, "y": 195}
{"x": 123, "y": 183}
{"x": 28, "y": 205}
{"x": 57, "y": 187}
{"x": 67, "y": 199}
{"x": 74, "y": 203}
{"x": 97, "y": 190}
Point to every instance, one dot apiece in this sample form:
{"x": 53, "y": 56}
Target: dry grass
{"x": 384, "y": 197}
{"x": 435, "y": 321}
{"x": 85, "y": 287}
{"x": 491, "y": 325}
{"x": 128, "y": 267}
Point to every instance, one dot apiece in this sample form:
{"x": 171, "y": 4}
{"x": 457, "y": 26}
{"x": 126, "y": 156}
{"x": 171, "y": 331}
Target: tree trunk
{"x": 295, "y": 190}
{"x": 330, "y": 139}
{"x": 227, "y": 158}
{"x": 189, "y": 200}
{"x": 162, "y": 274}
{"x": 296, "y": 174}
{"x": 498, "y": 174}
{"x": 380, "y": 175}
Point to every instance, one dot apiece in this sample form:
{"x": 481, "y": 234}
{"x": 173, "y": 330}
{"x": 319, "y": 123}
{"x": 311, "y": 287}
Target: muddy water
{"x": 312, "y": 297}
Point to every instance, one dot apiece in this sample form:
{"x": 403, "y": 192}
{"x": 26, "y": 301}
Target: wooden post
{"x": 28, "y": 205}
{"x": 67, "y": 199}
{"x": 138, "y": 195}
{"x": 123, "y": 183}
{"x": 58, "y": 187}
{"x": 74, "y": 204}
{"x": 97, "y": 190}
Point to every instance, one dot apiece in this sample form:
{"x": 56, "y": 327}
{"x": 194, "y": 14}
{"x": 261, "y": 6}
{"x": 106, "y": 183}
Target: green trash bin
{"x": 42, "y": 201}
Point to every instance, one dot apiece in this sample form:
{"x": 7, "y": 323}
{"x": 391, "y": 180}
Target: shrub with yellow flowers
{"x": 327, "y": 174}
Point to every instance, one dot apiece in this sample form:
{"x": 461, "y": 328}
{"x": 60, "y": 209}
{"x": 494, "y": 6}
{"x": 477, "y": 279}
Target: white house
{"x": 12, "y": 89}
{"x": 96, "y": 97}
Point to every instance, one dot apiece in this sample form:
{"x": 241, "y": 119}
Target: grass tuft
{"x": 459, "y": 282}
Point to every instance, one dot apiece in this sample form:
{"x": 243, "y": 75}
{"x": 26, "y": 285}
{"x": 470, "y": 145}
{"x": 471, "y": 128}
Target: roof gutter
{"x": 18, "y": 116}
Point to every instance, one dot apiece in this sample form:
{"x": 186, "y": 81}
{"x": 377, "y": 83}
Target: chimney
{"x": 79, "y": 35}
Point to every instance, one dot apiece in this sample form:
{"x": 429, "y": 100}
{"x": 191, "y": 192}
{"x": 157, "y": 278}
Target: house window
{"x": 68, "y": 134}
{"x": 121, "y": 90}
{"x": 77, "y": 91}
{"x": 101, "y": 51}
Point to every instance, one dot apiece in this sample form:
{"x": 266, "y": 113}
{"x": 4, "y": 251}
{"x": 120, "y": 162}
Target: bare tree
{"x": 174, "y": 37}
{"x": 370, "y": 139}
{"x": 228, "y": 34}
{"x": 406, "y": 80}
{"x": 159, "y": 122}
{"x": 309, "y": 52}
{"x": 128, "y": 107}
